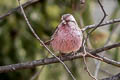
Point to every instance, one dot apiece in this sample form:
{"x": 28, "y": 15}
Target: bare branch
{"x": 109, "y": 61}
{"x": 101, "y": 19}
{"x": 28, "y": 3}
{"x": 46, "y": 61}
{"x": 84, "y": 59}
{"x": 113, "y": 21}
{"x": 105, "y": 48}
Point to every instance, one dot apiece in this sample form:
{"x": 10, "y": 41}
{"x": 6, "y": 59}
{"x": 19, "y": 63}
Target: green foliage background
{"x": 17, "y": 43}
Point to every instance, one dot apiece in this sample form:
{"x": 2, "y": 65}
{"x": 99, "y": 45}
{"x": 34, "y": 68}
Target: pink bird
{"x": 68, "y": 36}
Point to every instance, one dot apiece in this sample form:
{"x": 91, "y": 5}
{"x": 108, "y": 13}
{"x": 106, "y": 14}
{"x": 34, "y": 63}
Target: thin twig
{"x": 26, "y": 4}
{"x": 105, "y": 48}
{"x": 37, "y": 73}
{"x": 42, "y": 43}
{"x": 113, "y": 21}
{"x": 97, "y": 67}
{"x": 109, "y": 61}
{"x": 87, "y": 69}
{"x": 84, "y": 55}
{"x": 101, "y": 19}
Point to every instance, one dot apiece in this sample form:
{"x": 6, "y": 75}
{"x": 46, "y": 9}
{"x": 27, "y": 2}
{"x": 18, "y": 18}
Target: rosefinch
{"x": 68, "y": 36}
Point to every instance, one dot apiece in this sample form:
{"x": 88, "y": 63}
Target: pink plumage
{"x": 68, "y": 36}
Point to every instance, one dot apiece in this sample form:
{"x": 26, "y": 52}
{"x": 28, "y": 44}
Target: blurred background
{"x": 18, "y": 44}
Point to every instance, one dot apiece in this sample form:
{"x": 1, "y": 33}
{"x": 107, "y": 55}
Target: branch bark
{"x": 113, "y": 21}
{"x": 46, "y": 61}
{"x": 26, "y": 4}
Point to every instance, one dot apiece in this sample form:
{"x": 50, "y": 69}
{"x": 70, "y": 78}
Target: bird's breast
{"x": 67, "y": 40}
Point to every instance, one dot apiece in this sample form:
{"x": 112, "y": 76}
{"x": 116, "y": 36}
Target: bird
{"x": 67, "y": 37}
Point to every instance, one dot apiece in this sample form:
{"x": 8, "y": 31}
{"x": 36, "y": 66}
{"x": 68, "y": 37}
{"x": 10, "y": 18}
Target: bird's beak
{"x": 63, "y": 21}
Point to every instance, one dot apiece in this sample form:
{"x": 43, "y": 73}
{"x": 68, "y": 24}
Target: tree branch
{"x": 105, "y": 48}
{"x": 113, "y": 21}
{"x": 46, "y": 61}
{"x": 26, "y": 4}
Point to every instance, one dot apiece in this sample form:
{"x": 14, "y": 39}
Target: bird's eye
{"x": 69, "y": 21}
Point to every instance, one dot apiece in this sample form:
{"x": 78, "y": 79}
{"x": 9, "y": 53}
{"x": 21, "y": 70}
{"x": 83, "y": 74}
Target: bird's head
{"x": 68, "y": 18}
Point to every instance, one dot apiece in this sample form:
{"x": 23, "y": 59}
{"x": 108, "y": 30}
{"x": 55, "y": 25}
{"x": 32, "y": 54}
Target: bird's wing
{"x": 55, "y": 33}
{"x": 52, "y": 37}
